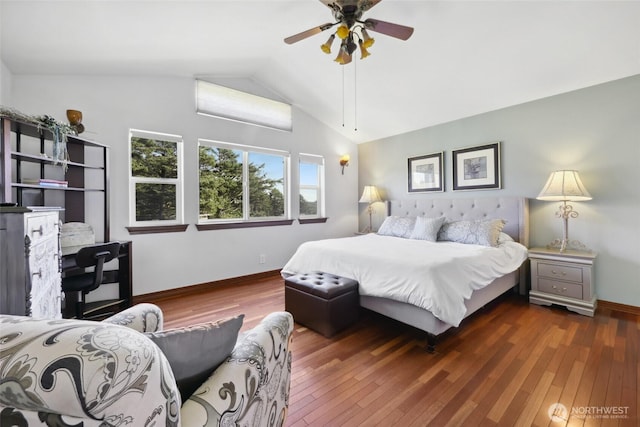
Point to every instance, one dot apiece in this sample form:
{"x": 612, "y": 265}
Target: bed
{"x": 428, "y": 297}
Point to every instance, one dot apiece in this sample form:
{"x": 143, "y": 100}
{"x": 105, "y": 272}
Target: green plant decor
{"x": 58, "y": 129}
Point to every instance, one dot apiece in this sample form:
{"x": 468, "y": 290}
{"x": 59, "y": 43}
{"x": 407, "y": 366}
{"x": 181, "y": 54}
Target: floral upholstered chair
{"x": 119, "y": 372}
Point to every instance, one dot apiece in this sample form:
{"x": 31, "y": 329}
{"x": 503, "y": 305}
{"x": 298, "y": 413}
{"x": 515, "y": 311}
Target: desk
{"x": 97, "y": 310}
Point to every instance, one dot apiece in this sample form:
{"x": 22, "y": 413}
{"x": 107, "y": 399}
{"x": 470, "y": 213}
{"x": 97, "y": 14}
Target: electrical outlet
{"x": 262, "y": 258}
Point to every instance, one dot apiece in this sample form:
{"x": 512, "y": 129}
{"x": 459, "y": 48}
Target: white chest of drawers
{"x": 563, "y": 278}
{"x": 30, "y": 280}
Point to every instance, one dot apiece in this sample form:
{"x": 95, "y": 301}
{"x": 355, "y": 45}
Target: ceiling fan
{"x": 352, "y": 30}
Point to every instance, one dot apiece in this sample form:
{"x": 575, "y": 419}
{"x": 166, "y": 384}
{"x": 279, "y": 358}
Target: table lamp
{"x": 370, "y": 195}
{"x": 565, "y": 186}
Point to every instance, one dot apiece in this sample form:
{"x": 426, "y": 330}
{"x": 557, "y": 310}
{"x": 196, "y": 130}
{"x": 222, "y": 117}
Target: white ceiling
{"x": 464, "y": 58}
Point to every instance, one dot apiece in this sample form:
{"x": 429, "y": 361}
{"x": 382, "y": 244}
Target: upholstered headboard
{"x": 514, "y": 210}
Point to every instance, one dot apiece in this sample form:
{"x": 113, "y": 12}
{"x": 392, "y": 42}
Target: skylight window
{"x": 225, "y": 103}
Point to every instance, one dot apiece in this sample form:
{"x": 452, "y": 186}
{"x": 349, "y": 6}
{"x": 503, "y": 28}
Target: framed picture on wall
{"x": 426, "y": 173}
{"x": 477, "y": 168}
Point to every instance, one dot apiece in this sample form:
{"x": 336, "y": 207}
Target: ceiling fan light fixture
{"x": 368, "y": 40}
{"x": 326, "y": 48}
{"x": 351, "y": 45}
{"x": 351, "y": 29}
{"x": 343, "y": 32}
{"x": 363, "y": 50}
{"x": 344, "y": 57}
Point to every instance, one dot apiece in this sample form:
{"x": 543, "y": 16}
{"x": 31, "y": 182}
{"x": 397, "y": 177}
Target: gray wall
{"x": 594, "y": 130}
{"x": 113, "y": 105}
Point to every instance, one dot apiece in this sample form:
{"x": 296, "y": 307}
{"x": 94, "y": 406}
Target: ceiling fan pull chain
{"x": 342, "y": 96}
{"x": 355, "y": 96}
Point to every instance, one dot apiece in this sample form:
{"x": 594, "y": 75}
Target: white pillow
{"x": 427, "y": 228}
{"x": 397, "y": 226}
{"x": 504, "y": 237}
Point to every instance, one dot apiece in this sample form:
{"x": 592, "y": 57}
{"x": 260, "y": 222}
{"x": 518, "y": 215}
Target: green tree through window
{"x": 220, "y": 183}
{"x": 222, "y": 174}
{"x": 311, "y": 186}
{"x": 154, "y": 169}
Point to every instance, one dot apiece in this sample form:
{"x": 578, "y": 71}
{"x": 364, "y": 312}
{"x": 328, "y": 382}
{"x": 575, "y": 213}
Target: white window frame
{"x": 178, "y": 181}
{"x": 319, "y": 161}
{"x": 246, "y": 149}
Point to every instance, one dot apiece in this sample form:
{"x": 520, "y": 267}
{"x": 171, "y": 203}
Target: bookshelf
{"x": 30, "y": 176}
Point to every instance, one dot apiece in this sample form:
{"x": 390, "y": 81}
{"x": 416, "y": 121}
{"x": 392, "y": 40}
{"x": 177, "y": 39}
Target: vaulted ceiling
{"x": 464, "y": 58}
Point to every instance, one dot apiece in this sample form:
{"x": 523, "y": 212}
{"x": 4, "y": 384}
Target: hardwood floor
{"x": 505, "y": 366}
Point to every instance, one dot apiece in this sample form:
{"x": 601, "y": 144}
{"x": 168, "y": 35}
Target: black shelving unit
{"x": 26, "y": 153}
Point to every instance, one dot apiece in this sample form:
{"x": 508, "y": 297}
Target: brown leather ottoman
{"x": 323, "y": 302}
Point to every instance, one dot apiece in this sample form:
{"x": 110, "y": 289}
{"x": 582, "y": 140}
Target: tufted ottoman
{"x": 323, "y": 302}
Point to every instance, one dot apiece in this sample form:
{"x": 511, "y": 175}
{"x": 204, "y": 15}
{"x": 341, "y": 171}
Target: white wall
{"x": 5, "y": 85}
{"x": 594, "y": 130}
{"x": 112, "y": 105}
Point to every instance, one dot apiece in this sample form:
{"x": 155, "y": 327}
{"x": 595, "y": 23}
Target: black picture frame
{"x": 426, "y": 173}
{"x": 477, "y": 168}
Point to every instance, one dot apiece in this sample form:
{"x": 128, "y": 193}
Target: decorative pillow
{"x": 427, "y": 228}
{"x": 196, "y": 351}
{"x": 397, "y": 226}
{"x": 478, "y": 232}
{"x": 504, "y": 237}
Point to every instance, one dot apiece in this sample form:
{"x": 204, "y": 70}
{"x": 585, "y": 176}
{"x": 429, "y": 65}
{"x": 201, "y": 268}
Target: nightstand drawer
{"x": 561, "y": 272}
{"x": 560, "y": 288}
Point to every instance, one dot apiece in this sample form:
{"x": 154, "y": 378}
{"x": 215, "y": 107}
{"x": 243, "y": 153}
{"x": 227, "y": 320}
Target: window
{"x": 226, "y": 103}
{"x": 311, "y": 186}
{"x": 156, "y": 178}
{"x": 239, "y": 183}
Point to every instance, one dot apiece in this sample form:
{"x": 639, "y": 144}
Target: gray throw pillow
{"x": 196, "y": 351}
{"x": 397, "y": 226}
{"x": 478, "y": 232}
{"x": 427, "y": 228}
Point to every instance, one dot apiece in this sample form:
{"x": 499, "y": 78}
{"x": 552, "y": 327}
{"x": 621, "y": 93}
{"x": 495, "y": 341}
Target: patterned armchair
{"x": 84, "y": 373}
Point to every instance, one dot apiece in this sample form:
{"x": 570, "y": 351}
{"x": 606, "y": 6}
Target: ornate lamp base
{"x": 369, "y": 229}
{"x": 565, "y": 212}
{"x": 564, "y": 245}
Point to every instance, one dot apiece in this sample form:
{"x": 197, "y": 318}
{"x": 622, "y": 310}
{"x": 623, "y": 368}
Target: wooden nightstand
{"x": 563, "y": 278}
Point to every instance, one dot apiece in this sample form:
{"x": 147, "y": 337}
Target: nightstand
{"x": 563, "y": 278}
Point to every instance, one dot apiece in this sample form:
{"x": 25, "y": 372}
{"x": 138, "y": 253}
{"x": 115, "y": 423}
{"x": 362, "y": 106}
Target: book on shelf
{"x": 45, "y": 182}
{"x": 45, "y": 208}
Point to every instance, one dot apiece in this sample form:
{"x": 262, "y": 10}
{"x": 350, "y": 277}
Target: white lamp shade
{"x": 370, "y": 195}
{"x": 564, "y": 186}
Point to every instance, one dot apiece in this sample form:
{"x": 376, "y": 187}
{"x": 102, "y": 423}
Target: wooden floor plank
{"x": 506, "y": 365}
{"x": 533, "y": 404}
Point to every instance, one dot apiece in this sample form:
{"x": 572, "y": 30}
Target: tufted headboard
{"x": 514, "y": 210}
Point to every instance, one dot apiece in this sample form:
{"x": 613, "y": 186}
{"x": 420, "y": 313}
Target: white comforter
{"x": 437, "y": 276}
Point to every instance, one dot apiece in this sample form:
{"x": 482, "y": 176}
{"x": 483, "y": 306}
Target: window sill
{"x": 178, "y": 228}
{"x": 312, "y": 220}
{"x": 244, "y": 224}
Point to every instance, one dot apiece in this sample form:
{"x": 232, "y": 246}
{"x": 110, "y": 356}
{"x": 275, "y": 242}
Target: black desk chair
{"x": 83, "y": 283}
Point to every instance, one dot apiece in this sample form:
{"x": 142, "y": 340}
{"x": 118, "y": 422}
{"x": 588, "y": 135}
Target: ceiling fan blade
{"x": 394, "y": 30}
{"x": 311, "y": 32}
